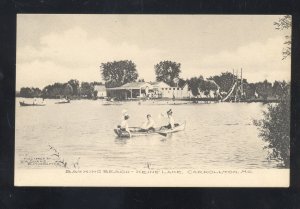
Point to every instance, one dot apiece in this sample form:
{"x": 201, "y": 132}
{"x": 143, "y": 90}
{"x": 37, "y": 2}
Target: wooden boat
{"x": 30, "y": 104}
{"x": 136, "y": 131}
{"x": 63, "y": 102}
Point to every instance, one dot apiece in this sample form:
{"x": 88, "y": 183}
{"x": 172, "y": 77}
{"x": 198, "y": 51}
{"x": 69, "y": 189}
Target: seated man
{"x": 149, "y": 124}
{"x": 171, "y": 124}
{"x": 124, "y": 125}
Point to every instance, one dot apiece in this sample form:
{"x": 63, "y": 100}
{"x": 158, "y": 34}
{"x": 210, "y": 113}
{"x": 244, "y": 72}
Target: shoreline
{"x": 168, "y": 100}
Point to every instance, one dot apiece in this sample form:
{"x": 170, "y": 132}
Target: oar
{"x": 163, "y": 134}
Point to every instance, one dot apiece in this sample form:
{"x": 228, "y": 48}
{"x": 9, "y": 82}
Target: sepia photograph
{"x": 108, "y": 100}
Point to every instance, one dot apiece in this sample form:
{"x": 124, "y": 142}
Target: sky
{"x": 56, "y": 48}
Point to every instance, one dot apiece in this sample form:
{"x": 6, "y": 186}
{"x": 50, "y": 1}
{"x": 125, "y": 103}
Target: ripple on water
{"x": 216, "y": 136}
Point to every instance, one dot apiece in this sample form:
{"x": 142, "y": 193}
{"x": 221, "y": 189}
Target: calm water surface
{"x": 217, "y": 135}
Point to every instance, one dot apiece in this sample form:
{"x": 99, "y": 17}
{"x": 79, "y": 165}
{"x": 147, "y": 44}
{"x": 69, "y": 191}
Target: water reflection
{"x": 121, "y": 141}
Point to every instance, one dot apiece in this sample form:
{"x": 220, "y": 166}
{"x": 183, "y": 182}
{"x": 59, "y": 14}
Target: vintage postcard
{"x": 153, "y": 100}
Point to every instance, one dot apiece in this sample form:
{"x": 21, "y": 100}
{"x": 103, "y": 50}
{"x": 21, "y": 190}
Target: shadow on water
{"x": 120, "y": 140}
{"x": 168, "y": 137}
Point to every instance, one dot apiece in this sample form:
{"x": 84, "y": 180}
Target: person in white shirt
{"x": 171, "y": 124}
{"x": 124, "y": 124}
{"x": 171, "y": 121}
{"x": 149, "y": 125}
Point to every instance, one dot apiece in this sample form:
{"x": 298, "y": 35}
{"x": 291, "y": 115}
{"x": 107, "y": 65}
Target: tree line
{"x": 71, "y": 89}
{"x": 118, "y": 73}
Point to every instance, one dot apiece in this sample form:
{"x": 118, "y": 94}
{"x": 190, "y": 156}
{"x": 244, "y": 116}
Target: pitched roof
{"x": 182, "y": 84}
{"x": 154, "y": 82}
{"x": 135, "y": 85}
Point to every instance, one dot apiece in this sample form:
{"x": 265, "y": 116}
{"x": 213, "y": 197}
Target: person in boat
{"x": 148, "y": 125}
{"x": 124, "y": 124}
{"x": 171, "y": 122}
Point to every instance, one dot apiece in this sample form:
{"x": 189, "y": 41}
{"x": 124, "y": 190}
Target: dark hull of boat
{"x": 62, "y": 102}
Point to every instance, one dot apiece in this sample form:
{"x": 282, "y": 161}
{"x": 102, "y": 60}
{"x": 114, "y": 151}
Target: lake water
{"x": 217, "y": 135}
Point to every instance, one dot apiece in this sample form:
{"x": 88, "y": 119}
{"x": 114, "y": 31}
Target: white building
{"x": 150, "y": 90}
{"x": 131, "y": 90}
{"x": 158, "y": 88}
{"x": 166, "y": 91}
{"x": 101, "y": 91}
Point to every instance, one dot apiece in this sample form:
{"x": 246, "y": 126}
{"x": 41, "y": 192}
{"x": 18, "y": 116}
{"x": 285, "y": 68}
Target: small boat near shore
{"x": 63, "y": 102}
{"x": 30, "y": 104}
{"x": 137, "y": 131}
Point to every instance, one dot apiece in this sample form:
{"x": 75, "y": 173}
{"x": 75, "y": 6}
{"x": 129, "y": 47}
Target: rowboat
{"x": 63, "y": 102}
{"x": 137, "y": 131}
{"x": 32, "y": 104}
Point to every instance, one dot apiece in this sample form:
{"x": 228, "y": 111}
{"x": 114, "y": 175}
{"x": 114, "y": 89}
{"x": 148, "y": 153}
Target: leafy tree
{"x": 167, "y": 71}
{"x": 207, "y": 85}
{"x": 118, "y": 73}
{"x": 194, "y": 85}
{"x": 53, "y": 91}
{"x": 275, "y": 128}
{"x": 264, "y": 89}
{"x": 249, "y": 89}
{"x": 278, "y": 88}
{"x": 225, "y": 80}
{"x": 36, "y": 92}
{"x": 181, "y": 82}
{"x": 87, "y": 89}
{"x": 285, "y": 23}
{"x": 30, "y": 92}
{"x": 75, "y": 86}
{"x": 198, "y": 83}
{"x": 58, "y": 90}
{"x": 67, "y": 90}
{"x": 26, "y": 92}
{"x": 96, "y": 83}
{"x": 45, "y": 91}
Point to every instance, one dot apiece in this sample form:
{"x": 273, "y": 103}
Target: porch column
{"x": 140, "y": 92}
